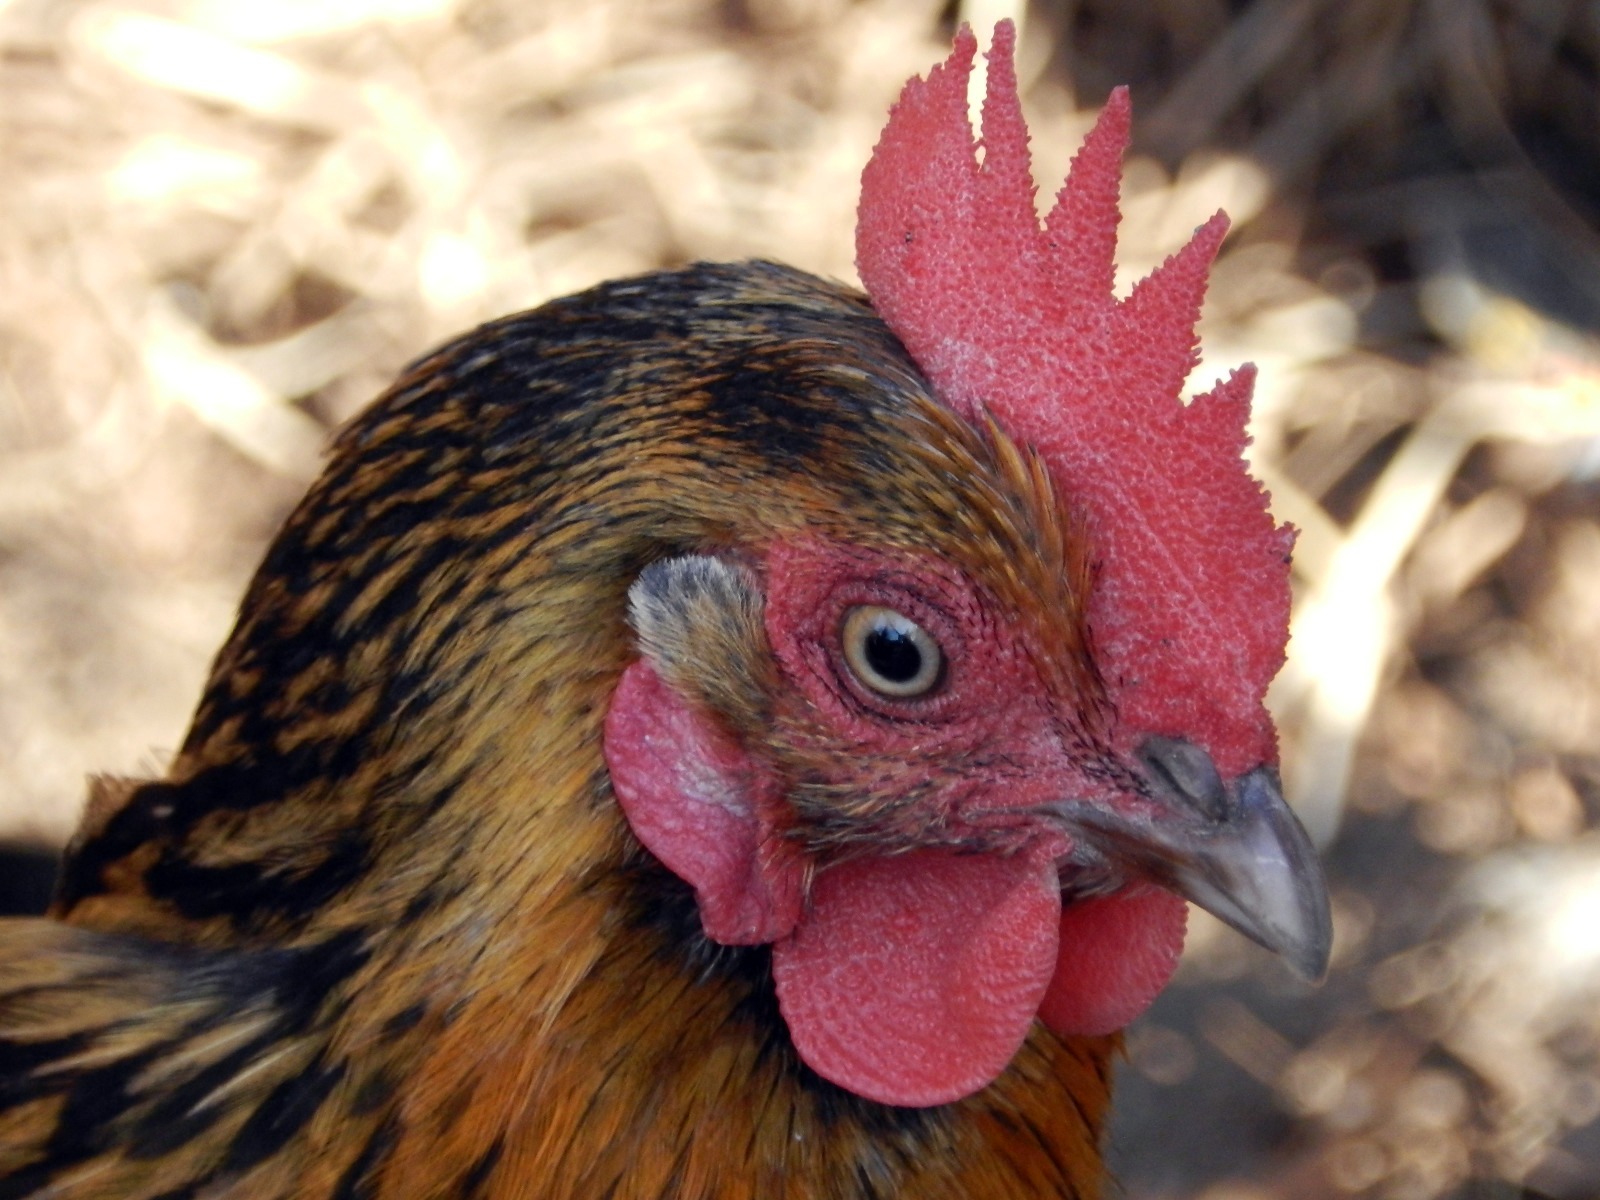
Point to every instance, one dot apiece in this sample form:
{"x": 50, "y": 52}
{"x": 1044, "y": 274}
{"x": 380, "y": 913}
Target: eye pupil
{"x": 892, "y": 654}
{"x": 889, "y": 653}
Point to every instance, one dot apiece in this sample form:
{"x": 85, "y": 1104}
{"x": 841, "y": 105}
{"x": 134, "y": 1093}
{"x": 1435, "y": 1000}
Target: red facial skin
{"x": 933, "y": 930}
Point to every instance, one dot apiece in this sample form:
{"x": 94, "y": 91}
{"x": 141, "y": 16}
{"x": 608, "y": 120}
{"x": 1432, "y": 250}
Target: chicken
{"x": 712, "y": 736}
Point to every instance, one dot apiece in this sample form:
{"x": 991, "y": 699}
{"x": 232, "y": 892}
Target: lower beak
{"x": 1237, "y": 850}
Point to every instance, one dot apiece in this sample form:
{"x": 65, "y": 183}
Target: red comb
{"x": 1190, "y": 609}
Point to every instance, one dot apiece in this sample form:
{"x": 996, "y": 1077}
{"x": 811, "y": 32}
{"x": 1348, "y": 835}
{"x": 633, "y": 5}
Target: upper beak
{"x": 1237, "y": 851}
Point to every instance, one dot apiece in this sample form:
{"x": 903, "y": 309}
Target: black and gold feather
{"x": 381, "y": 930}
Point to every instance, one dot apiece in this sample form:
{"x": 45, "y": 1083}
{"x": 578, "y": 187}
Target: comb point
{"x": 1156, "y": 323}
{"x": 1081, "y": 228}
{"x": 1005, "y": 181}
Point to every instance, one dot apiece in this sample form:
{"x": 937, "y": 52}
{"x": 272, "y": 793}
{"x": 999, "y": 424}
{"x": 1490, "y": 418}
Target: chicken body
{"x": 383, "y": 930}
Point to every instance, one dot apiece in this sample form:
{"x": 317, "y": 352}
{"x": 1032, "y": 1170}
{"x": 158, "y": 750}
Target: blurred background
{"x": 226, "y": 224}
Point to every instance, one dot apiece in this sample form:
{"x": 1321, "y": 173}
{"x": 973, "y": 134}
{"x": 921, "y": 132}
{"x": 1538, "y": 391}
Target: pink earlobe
{"x": 701, "y": 805}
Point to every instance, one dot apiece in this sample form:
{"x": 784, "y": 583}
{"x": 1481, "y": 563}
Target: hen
{"x": 712, "y": 736}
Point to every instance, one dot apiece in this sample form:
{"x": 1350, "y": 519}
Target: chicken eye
{"x": 890, "y": 653}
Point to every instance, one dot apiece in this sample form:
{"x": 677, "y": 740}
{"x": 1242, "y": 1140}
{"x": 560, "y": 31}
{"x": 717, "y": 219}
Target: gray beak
{"x": 1237, "y": 851}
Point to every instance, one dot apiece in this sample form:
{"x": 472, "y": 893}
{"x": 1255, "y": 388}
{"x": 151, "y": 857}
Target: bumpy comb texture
{"x": 1190, "y": 609}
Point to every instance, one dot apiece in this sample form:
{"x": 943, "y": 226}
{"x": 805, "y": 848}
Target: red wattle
{"x": 1117, "y": 952}
{"x": 913, "y": 979}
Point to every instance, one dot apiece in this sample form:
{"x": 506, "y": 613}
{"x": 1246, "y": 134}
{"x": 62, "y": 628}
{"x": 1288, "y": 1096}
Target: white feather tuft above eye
{"x": 699, "y": 623}
{"x": 675, "y": 593}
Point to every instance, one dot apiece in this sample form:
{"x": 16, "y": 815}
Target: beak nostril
{"x": 1188, "y": 773}
{"x": 1237, "y": 851}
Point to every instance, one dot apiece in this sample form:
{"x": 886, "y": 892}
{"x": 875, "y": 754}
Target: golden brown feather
{"x": 382, "y": 932}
